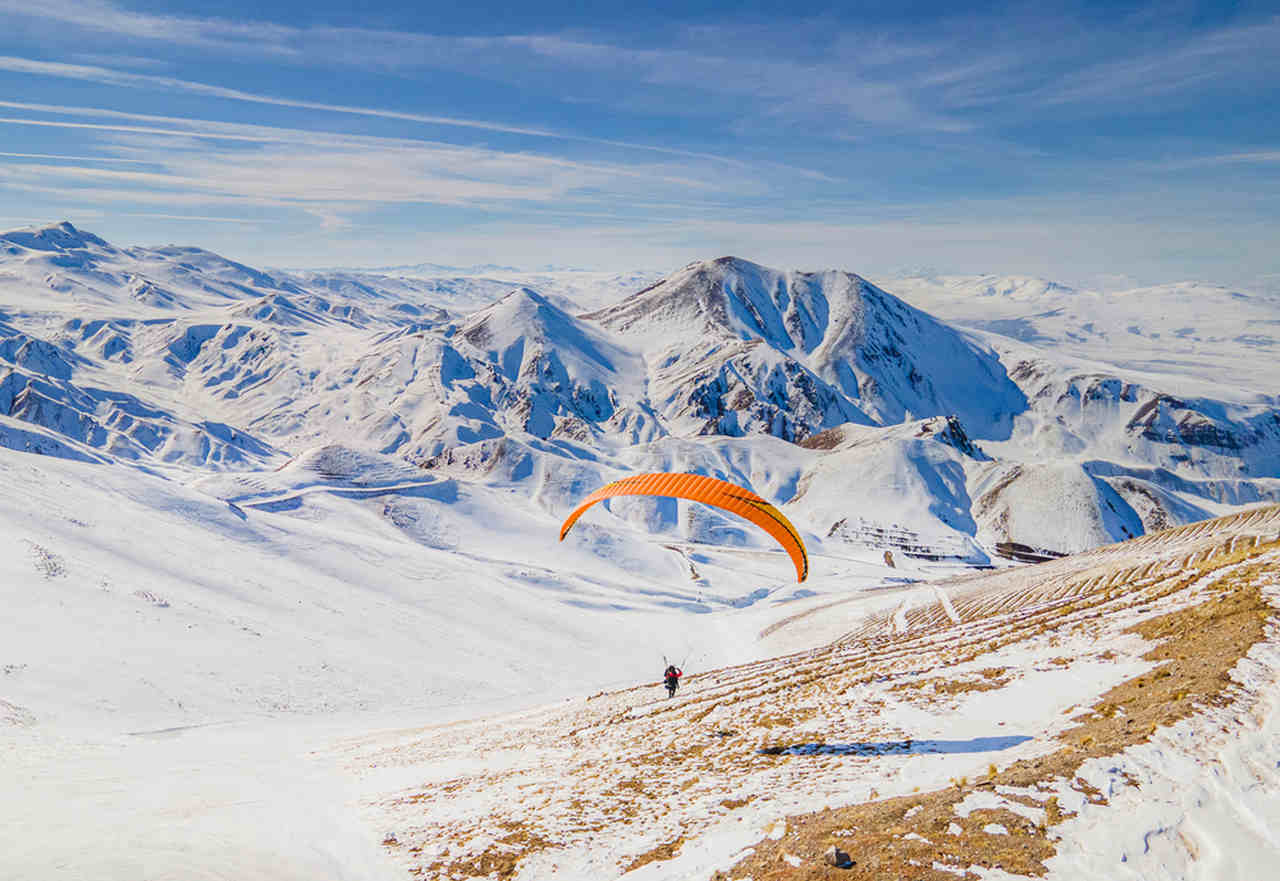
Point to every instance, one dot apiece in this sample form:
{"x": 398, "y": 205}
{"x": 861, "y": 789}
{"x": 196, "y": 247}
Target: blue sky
{"x": 1072, "y": 141}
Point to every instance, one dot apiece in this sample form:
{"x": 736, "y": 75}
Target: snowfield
{"x": 284, "y": 598}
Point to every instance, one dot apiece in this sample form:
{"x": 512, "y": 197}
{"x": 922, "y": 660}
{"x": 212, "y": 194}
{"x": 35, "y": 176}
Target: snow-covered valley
{"x": 275, "y": 540}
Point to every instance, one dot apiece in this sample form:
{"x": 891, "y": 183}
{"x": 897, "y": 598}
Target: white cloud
{"x": 70, "y": 158}
{"x": 1241, "y": 54}
{"x": 925, "y": 78}
{"x": 1258, "y": 157}
{"x": 108, "y": 127}
{"x": 105, "y": 17}
{"x": 108, "y": 76}
{"x": 194, "y": 218}
{"x": 214, "y": 161}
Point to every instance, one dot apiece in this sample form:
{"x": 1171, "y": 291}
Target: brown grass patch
{"x": 1199, "y": 645}
{"x": 502, "y": 857}
{"x": 664, "y": 851}
{"x": 962, "y": 686}
{"x": 633, "y": 789}
{"x": 992, "y": 679}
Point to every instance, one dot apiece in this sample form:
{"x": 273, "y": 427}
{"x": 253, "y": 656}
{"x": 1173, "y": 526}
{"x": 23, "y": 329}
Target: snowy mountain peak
{"x": 804, "y": 351}
{"x": 989, "y": 286}
{"x": 1020, "y": 287}
{"x": 730, "y": 298}
{"x": 525, "y": 317}
{"x": 551, "y": 373}
{"x": 523, "y": 311}
{"x": 52, "y": 237}
{"x": 189, "y": 260}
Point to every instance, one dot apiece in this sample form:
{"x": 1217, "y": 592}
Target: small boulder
{"x": 834, "y": 856}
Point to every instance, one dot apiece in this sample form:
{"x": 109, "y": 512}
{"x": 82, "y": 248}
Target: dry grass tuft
{"x": 502, "y": 858}
{"x": 665, "y": 851}
{"x": 1199, "y": 645}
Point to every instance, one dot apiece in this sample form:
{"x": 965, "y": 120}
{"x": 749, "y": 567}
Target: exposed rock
{"x": 834, "y": 856}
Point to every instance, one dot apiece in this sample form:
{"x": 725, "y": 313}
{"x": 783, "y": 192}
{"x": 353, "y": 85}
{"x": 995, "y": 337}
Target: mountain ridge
{"x": 179, "y": 340}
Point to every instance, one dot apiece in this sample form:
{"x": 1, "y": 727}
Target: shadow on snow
{"x": 891, "y": 747}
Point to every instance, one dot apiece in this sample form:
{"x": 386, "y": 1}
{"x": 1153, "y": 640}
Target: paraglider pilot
{"x": 672, "y": 679}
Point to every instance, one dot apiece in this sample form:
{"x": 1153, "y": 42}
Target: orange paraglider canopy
{"x": 709, "y": 491}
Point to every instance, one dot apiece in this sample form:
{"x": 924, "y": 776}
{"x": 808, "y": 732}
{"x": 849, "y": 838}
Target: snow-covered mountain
{"x": 737, "y": 348}
{"x": 176, "y": 358}
{"x": 463, "y": 289}
{"x": 250, "y": 514}
{"x": 1205, "y": 336}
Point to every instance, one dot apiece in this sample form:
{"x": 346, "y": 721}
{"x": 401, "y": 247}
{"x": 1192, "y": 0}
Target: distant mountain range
{"x": 985, "y": 410}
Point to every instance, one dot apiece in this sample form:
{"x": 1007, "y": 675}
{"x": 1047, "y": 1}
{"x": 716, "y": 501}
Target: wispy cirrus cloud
{"x": 65, "y": 158}
{"x": 951, "y": 75}
{"x": 1228, "y": 56}
{"x": 197, "y": 161}
{"x": 110, "y": 18}
{"x": 932, "y": 78}
{"x": 210, "y": 129}
{"x": 789, "y": 125}
{"x": 786, "y": 87}
{"x": 194, "y": 218}
{"x": 477, "y": 159}
{"x": 1217, "y": 160}
{"x": 118, "y": 127}
{"x": 109, "y": 76}
{"x": 864, "y": 86}
{"x": 1262, "y": 156}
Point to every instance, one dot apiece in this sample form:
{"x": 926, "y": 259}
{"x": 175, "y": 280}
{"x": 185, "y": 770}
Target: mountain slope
{"x": 1205, "y": 334}
{"x": 802, "y": 352}
{"x": 1019, "y": 719}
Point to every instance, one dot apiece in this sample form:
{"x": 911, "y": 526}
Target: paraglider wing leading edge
{"x": 710, "y": 491}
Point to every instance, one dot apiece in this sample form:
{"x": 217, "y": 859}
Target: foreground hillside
{"x": 239, "y": 690}
{"x": 1111, "y": 714}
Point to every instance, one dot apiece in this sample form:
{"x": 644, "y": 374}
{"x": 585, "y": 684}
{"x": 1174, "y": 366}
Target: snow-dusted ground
{"x": 258, "y": 529}
{"x": 586, "y": 788}
{"x": 195, "y": 690}
{"x": 1207, "y": 800}
{"x": 177, "y": 668}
